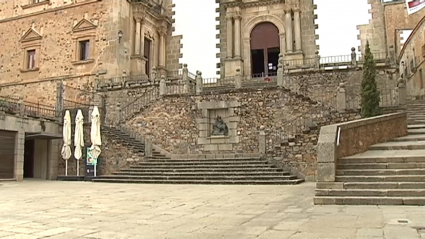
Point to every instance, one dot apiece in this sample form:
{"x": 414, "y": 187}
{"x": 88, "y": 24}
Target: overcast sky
{"x": 195, "y": 19}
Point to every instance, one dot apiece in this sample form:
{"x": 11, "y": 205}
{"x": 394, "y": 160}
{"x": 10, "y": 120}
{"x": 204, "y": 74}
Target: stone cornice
{"x": 251, "y": 4}
{"x": 73, "y": 5}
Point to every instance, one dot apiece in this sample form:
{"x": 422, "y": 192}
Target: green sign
{"x": 90, "y": 159}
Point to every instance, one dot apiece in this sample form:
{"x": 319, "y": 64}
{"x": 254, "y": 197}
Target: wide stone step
{"x": 413, "y": 137}
{"x": 396, "y": 178}
{"x": 205, "y": 173}
{"x": 372, "y": 185}
{"x": 202, "y": 163}
{"x": 381, "y": 166}
{"x": 379, "y": 172}
{"x": 209, "y": 160}
{"x": 417, "y": 201}
{"x": 385, "y": 156}
{"x": 371, "y": 192}
{"x": 241, "y": 182}
{"x": 203, "y": 166}
{"x": 409, "y": 145}
{"x": 416, "y": 131}
{"x": 416, "y": 126}
{"x": 202, "y": 177}
{"x": 141, "y": 170}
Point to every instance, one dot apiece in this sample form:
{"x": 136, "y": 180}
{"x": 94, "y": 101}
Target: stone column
{"x": 238, "y": 79}
{"x": 288, "y": 23}
{"x": 238, "y": 36}
{"x": 162, "y": 86}
{"x": 19, "y": 155}
{"x": 341, "y": 104}
{"x": 262, "y": 141}
{"x": 199, "y": 83}
{"x": 280, "y": 71}
{"x": 297, "y": 30}
{"x": 162, "y": 47}
{"x": 142, "y": 38}
{"x": 137, "y": 37}
{"x": 229, "y": 37}
{"x": 148, "y": 147}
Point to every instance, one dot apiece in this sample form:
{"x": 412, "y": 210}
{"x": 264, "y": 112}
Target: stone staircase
{"x": 390, "y": 173}
{"x": 136, "y": 146}
{"x": 202, "y": 171}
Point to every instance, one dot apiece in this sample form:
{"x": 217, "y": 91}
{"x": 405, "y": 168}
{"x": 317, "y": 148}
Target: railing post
{"x": 185, "y": 76}
{"x": 280, "y": 70}
{"x": 199, "y": 84}
{"x": 353, "y": 57}
{"x": 317, "y": 65}
{"x": 148, "y": 146}
{"x": 21, "y": 107}
{"x": 162, "y": 86}
{"x": 238, "y": 79}
{"x": 153, "y": 75}
{"x": 402, "y": 93}
{"x": 262, "y": 141}
{"x": 120, "y": 114}
{"x": 341, "y": 104}
{"x": 59, "y": 100}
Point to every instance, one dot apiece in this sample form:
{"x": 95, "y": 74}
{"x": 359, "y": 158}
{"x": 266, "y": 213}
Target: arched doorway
{"x": 265, "y": 49}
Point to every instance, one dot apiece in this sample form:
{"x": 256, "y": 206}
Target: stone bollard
{"x": 317, "y": 63}
{"x": 353, "y": 57}
{"x": 148, "y": 147}
{"x": 238, "y": 79}
{"x": 199, "y": 84}
{"x": 341, "y": 103}
{"x": 153, "y": 76}
{"x": 280, "y": 71}
{"x": 262, "y": 141}
{"x": 402, "y": 92}
{"x": 162, "y": 86}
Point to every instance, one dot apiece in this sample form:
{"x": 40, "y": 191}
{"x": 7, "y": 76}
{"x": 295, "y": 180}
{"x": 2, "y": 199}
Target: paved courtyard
{"x": 46, "y": 209}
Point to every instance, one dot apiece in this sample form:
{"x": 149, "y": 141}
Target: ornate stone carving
{"x": 219, "y": 127}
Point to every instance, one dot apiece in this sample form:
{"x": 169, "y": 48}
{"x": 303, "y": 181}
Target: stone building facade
{"x": 389, "y": 20}
{"x": 254, "y": 33}
{"x": 412, "y": 61}
{"x": 47, "y": 41}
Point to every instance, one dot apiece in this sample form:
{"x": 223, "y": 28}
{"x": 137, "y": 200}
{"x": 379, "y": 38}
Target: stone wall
{"x": 174, "y": 53}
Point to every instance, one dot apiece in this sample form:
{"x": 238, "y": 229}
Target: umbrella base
{"x": 71, "y": 178}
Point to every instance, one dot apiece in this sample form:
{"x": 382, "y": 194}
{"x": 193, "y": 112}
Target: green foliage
{"x": 370, "y": 93}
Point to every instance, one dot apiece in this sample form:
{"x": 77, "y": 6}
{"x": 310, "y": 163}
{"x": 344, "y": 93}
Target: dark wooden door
{"x": 264, "y": 39}
{"x": 7, "y": 154}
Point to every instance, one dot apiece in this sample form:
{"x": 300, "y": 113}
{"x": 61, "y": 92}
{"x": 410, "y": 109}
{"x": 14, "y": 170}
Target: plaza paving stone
{"x": 61, "y": 210}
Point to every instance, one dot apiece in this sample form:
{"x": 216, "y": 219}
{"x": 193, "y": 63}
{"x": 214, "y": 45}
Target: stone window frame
{"x": 33, "y": 3}
{"x": 29, "y": 46}
{"x": 77, "y": 48}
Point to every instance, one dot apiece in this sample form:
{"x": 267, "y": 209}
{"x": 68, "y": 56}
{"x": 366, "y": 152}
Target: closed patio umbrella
{"x": 79, "y": 138}
{"x": 66, "y": 148}
{"x": 95, "y": 137}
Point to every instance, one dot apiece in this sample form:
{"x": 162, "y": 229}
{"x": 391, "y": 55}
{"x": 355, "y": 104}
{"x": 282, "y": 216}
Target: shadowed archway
{"x": 265, "y": 49}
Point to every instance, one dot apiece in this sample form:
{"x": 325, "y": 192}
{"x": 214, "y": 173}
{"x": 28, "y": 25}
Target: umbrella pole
{"x": 95, "y": 168}
{"x": 66, "y": 167}
{"x": 78, "y": 167}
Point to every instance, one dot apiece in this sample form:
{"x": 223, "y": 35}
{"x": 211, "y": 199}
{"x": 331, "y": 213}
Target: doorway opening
{"x": 265, "y": 49}
{"x": 147, "y": 54}
{"x": 29, "y": 159}
{"x": 7, "y": 154}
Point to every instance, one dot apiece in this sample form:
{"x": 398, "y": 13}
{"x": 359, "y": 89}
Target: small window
{"x": 31, "y": 59}
{"x": 84, "y": 50}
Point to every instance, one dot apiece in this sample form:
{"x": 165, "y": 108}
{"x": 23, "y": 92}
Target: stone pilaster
{"x": 142, "y": 39}
{"x": 288, "y": 24}
{"x": 229, "y": 37}
{"x": 341, "y": 104}
{"x": 297, "y": 30}
{"x": 137, "y": 39}
{"x": 162, "y": 34}
{"x": 237, "y": 36}
{"x": 19, "y": 155}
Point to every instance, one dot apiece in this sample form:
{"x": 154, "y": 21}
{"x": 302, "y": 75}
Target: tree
{"x": 370, "y": 93}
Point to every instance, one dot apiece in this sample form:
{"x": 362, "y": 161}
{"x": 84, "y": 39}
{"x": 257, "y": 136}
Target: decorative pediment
{"x": 31, "y": 35}
{"x": 84, "y": 25}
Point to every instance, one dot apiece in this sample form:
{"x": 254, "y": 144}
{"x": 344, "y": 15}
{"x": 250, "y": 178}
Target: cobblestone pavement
{"x": 46, "y": 209}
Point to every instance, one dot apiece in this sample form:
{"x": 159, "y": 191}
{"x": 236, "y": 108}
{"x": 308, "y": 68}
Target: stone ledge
{"x": 35, "y": 4}
{"x": 83, "y": 62}
{"x": 29, "y": 70}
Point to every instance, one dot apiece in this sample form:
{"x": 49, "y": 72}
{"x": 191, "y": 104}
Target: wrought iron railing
{"x": 134, "y": 107}
{"x": 23, "y": 108}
